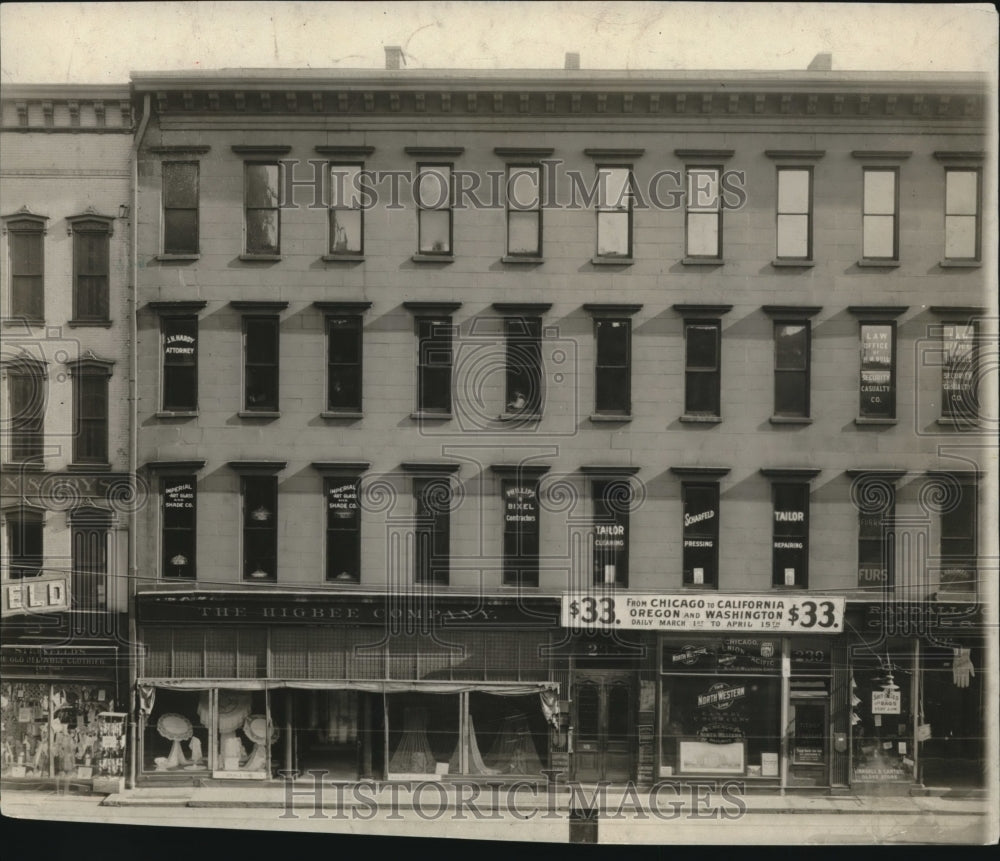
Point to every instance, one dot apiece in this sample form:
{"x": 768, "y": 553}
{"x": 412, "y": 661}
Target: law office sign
{"x": 47, "y": 594}
{"x": 777, "y": 614}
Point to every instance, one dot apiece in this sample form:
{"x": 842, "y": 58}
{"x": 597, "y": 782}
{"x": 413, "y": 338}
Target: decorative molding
{"x": 797, "y": 311}
{"x": 345, "y": 149}
{"x": 874, "y": 474}
{"x": 791, "y": 473}
{"x": 434, "y": 150}
{"x": 614, "y": 152}
{"x": 523, "y": 151}
{"x": 704, "y": 153}
{"x": 881, "y": 154}
{"x": 605, "y": 309}
{"x": 250, "y": 305}
{"x": 878, "y": 310}
{"x": 258, "y": 467}
{"x": 170, "y": 308}
{"x": 342, "y": 467}
{"x": 530, "y": 470}
{"x": 435, "y": 467}
{"x": 700, "y": 310}
{"x": 801, "y": 154}
{"x": 261, "y": 149}
{"x": 700, "y": 471}
{"x": 522, "y": 307}
{"x": 342, "y": 307}
{"x": 174, "y": 465}
{"x": 179, "y": 149}
{"x": 90, "y": 220}
{"x": 610, "y": 471}
{"x": 431, "y": 307}
{"x": 959, "y": 155}
{"x": 958, "y": 310}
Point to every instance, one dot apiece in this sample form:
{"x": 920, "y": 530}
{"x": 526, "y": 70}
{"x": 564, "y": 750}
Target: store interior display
{"x": 413, "y": 754}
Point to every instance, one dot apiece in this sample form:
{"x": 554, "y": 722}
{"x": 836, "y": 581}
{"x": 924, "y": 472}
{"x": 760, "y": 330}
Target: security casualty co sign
{"x": 48, "y": 594}
{"x": 779, "y": 614}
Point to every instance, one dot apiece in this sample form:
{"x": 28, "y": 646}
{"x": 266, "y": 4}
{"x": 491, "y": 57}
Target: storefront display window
{"x": 423, "y": 732}
{"x": 175, "y": 738}
{"x": 509, "y": 733}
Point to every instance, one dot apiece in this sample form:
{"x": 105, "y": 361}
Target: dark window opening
{"x": 434, "y": 365}
{"x": 180, "y": 363}
{"x": 791, "y": 369}
{"x": 701, "y": 534}
{"x": 263, "y": 216}
{"x": 91, "y": 250}
{"x": 260, "y": 373}
{"x": 524, "y": 394}
{"x": 180, "y": 208}
{"x": 612, "y": 500}
{"x": 790, "y": 544}
{"x": 702, "y": 368}
{"x": 612, "y": 374}
{"x": 260, "y": 527}
{"x": 344, "y": 364}
{"x": 343, "y": 530}
{"x": 432, "y": 532}
{"x": 178, "y": 500}
{"x": 520, "y": 532}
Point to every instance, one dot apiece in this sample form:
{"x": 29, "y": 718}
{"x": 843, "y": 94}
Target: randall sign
{"x": 48, "y": 594}
{"x": 779, "y": 614}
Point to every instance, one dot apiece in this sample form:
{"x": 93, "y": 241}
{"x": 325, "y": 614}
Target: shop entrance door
{"x": 327, "y": 732}
{"x": 809, "y": 741}
{"x": 604, "y": 725}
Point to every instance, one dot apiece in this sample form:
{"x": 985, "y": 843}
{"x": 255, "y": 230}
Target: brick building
{"x": 685, "y": 482}
{"x": 66, "y": 493}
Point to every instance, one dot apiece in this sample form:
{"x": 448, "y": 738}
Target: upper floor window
{"x": 344, "y": 363}
{"x": 26, "y": 243}
{"x": 26, "y": 396}
{"x": 702, "y": 367}
{"x": 261, "y": 210}
{"x": 794, "y": 213}
{"x": 791, "y": 369}
{"x": 180, "y": 207}
{"x": 958, "y": 535}
{"x": 434, "y": 365}
{"x": 880, "y": 230}
{"x": 180, "y": 363}
{"x": 614, "y": 211}
{"x": 260, "y": 527}
{"x": 260, "y": 370}
{"x": 790, "y": 539}
{"x": 178, "y": 522}
{"x": 875, "y": 498}
{"x": 24, "y": 552}
{"x": 612, "y": 383}
{"x": 347, "y": 216}
{"x": 90, "y": 411}
{"x": 703, "y": 213}
{"x": 959, "y": 373}
{"x": 878, "y": 371}
{"x": 613, "y": 497}
{"x": 962, "y": 214}
{"x": 91, "y": 260}
{"x": 525, "y": 380}
{"x": 701, "y": 533}
{"x": 434, "y": 209}
{"x": 343, "y": 528}
{"x": 524, "y": 211}
{"x": 90, "y": 532}
{"x": 432, "y": 529}
{"x": 521, "y": 529}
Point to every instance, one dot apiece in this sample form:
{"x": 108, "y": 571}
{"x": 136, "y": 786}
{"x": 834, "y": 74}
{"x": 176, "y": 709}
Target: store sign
{"x": 342, "y": 501}
{"x": 721, "y": 696}
{"x": 784, "y": 614}
{"x": 46, "y": 594}
{"x": 887, "y": 702}
{"x": 46, "y": 659}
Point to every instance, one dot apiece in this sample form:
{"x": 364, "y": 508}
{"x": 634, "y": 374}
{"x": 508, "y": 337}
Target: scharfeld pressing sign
{"x": 778, "y": 613}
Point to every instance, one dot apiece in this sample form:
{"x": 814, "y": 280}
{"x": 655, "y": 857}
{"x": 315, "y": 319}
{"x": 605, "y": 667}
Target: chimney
{"x": 821, "y": 63}
{"x": 394, "y": 57}
{"x": 572, "y": 60}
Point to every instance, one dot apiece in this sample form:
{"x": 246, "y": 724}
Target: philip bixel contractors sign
{"x": 779, "y": 614}
{"x": 48, "y": 594}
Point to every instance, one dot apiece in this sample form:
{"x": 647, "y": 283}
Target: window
{"x": 90, "y": 412}
{"x": 958, "y": 537}
{"x": 91, "y": 250}
{"x": 432, "y": 533}
{"x": 704, "y": 213}
{"x": 434, "y": 213}
{"x": 794, "y": 214}
{"x": 260, "y": 370}
{"x": 701, "y": 533}
{"x": 702, "y": 368}
{"x": 959, "y": 397}
{"x": 876, "y": 548}
{"x": 263, "y": 217}
{"x": 90, "y": 560}
{"x": 347, "y": 217}
{"x": 879, "y": 229}
{"x": 878, "y": 371}
{"x": 434, "y": 364}
{"x": 524, "y": 211}
{"x": 612, "y": 498}
{"x": 260, "y": 527}
{"x": 961, "y": 214}
{"x": 612, "y": 383}
{"x": 178, "y": 517}
{"x": 791, "y": 369}
{"x": 27, "y": 269}
{"x": 180, "y": 363}
{"x": 344, "y": 364}
{"x": 180, "y": 207}
{"x": 790, "y": 543}
{"x": 343, "y": 529}
{"x": 25, "y": 528}
{"x": 520, "y": 531}
{"x": 26, "y": 393}
{"x": 525, "y": 394}
{"x": 614, "y": 211}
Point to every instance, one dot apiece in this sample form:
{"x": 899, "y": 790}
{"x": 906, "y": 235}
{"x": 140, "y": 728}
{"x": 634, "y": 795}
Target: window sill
{"x": 88, "y": 467}
{"x": 704, "y": 420}
{"x": 262, "y": 580}
{"x": 611, "y": 417}
{"x": 961, "y": 264}
{"x": 873, "y": 420}
{"x": 341, "y": 414}
{"x": 433, "y": 258}
{"x": 611, "y": 261}
{"x": 515, "y": 258}
{"x": 878, "y": 264}
{"x": 785, "y": 587}
{"x": 343, "y": 258}
{"x": 32, "y": 466}
{"x": 519, "y": 417}
{"x": 89, "y": 324}
{"x": 700, "y": 587}
{"x": 424, "y": 415}
{"x": 260, "y": 258}
{"x": 791, "y": 263}
{"x": 259, "y": 414}
{"x": 958, "y": 422}
{"x": 22, "y": 321}
{"x": 702, "y": 261}
{"x": 790, "y": 420}
{"x": 176, "y": 414}
{"x": 178, "y": 258}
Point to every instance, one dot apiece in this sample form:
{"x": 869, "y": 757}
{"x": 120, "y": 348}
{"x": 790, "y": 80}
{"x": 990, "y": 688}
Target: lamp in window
{"x": 180, "y": 562}
{"x": 260, "y": 514}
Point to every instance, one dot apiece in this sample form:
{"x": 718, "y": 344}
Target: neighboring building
{"x": 411, "y": 462}
{"x": 66, "y": 492}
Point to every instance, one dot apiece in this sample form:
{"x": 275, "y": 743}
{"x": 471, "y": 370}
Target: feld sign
{"x": 48, "y": 594}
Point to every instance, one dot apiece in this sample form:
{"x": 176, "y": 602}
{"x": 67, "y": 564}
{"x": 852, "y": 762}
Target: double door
{"x": 604, "y": 725}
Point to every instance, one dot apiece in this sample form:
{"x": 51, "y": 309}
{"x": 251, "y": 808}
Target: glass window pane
{"x": 262, "y": 231}
{"x": 435, "y": 231}
{"x": 612, "y": 393}
{"x": 523, "y": 188}
{"x": 434, "y": 187}
{"x": 262, "y": 341}
{"x": 613, "y": 187}
{"x": 789, "y": 393}
{"x": 180, "y": 185}
{"x": 879, "y": 236}
{"x": 703, "y": 234}
{"x": 262, "y": 387}
{"x": 345, "y": 342}
{"x": 703, "y": 189}
{"x": 702, "y": 347}
{"x": 522, "y": 233}
{"x": 344, "y": 388}
{"x": 345, "y": 180}
{"x": 180, "y": 387}
{"x": 701, "y": 394}
{"x": 960, "y": 236}
{"x": 262, "y": 185}
{"x": 793, "y": 191}
{"x": 880, "y": 192}
{"x": 343, "y": 556}
{"x": 612, "y": 343}
{"x": 790, "y": 342}
{"x": 960, "y": 194}
{"x": 793, "y": 235}
{"x": 180, "y": 231}
{"x": 345, "y": 231}
{"x": 612, "y": 234}
{"x": 435, "y": 388}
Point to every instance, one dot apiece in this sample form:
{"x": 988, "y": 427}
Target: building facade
{"x": 66, "y": 493}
